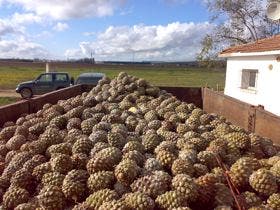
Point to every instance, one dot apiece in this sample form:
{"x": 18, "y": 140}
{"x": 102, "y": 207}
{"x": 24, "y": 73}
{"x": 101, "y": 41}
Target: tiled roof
{"x": 262, "y": 45}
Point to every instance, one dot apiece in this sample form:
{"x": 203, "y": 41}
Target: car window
{"x": 88, "y": 79}
{"x": 45, "y": 78}
{"x": 61, "y": 77}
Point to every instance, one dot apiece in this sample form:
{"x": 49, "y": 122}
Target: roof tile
{"x": 262, "y": 45}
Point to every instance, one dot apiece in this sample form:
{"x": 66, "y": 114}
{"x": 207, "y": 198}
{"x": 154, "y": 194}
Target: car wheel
{"x": 26, "y": 93}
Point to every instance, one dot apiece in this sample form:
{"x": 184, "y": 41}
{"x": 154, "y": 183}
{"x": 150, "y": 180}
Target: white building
{"x": 253, "y": 73}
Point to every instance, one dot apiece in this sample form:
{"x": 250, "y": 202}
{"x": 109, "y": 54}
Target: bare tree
{"x": 237, "y": 22}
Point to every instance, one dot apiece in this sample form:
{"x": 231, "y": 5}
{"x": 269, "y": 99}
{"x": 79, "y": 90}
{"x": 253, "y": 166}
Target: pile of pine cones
{"x": 128, "y": 145}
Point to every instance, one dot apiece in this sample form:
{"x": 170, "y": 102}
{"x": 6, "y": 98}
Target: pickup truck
{"x": 44, "y": 83}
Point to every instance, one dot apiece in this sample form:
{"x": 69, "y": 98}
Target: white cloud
{"x": 25, "y": 18}
{"x": 7, "y": 27}
{"x": 14, "y": 38}
{"x": 126, "y": 11}
{"x": 66, "y": 9}
{"x": 92, "y": 33}
{"x": 61, "y": 26}
{"x": 73, "y": 53}
{"x": 43, "y": 35}
{"x": 175, "y": 41}
{"x": 21, "y": 48}
{"x": 16, "y": 24}
{"x": 14, "y": 42}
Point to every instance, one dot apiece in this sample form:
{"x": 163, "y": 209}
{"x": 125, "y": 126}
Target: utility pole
{"x": 91, "y": 57}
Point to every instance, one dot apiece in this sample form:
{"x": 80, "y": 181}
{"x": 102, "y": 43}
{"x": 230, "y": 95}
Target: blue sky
{"x": 109, "y": 29}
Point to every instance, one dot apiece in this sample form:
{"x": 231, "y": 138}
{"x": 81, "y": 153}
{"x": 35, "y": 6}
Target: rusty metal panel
{"x": 13, "y": 111}
{"x": 267, "y": 125}
{"x": 239, "y": 113}
{"x": 38, "y": 102}
{"x": 251, "y": 118}
{"x": 235, "y": 111}
{"x": 187, "y": 94}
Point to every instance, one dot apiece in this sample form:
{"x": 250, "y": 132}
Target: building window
{"x": 249, "y": 79}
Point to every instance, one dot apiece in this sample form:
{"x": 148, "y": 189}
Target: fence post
{"x": 252, "y": 119}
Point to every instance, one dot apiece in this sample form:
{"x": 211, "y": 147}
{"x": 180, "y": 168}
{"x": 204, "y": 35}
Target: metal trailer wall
{"x": 187, "y": 94}
{"x": 234, "y": 110}
{"x": 14, "y": 111}
{"x": 253, "y": 119}
{"x": 267, "y": 124}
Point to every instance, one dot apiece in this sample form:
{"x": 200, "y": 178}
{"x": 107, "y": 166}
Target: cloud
{"x": 7, "y": 27}
{"x": 92, "y": 33}
{"x": 13, "y": 38}
{"x": 21, "y": 48}
{"x": 67, "y": 9}
{"x": 73, "y": 53}
{"x": 16, "y": 24}
{"x": 25, "y": 18}
{"x": 42, "y": 35}
{"x": 175, "y": 41}
{"x": 14, "y": 41}
{"x": 60, "y": 26}
{"x": 126, "y": 11}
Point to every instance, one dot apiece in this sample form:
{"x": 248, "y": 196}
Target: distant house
{"x": 253, "y": 73}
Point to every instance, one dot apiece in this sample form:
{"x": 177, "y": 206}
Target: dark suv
{"x": 89, "y": 78}
{"x": 46, "y": 82}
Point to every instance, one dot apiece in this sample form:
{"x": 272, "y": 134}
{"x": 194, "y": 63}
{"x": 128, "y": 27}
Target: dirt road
{"x": 9, "y": 93}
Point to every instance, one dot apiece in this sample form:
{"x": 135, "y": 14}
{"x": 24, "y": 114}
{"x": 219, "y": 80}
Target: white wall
{"x": 267, "y": 84}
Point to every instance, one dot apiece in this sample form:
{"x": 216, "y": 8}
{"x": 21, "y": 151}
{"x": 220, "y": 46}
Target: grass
{"x": 160, "y": 76}
{"x": 7, "y": 100}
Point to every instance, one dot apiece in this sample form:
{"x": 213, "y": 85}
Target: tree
{"x": 237, "y": 22}
{"x": 207, "y": 54}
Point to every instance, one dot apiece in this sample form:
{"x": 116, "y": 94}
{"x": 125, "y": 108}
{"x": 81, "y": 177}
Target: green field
{"x": 7, "y": 100}
{"x": 160, "y": 76}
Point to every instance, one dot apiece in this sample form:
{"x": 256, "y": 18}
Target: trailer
{"x": 215, "y": 160}
{"x": 252, "y": 118}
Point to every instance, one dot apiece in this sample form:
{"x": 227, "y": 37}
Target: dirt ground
{"x": 9, "y": 93}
